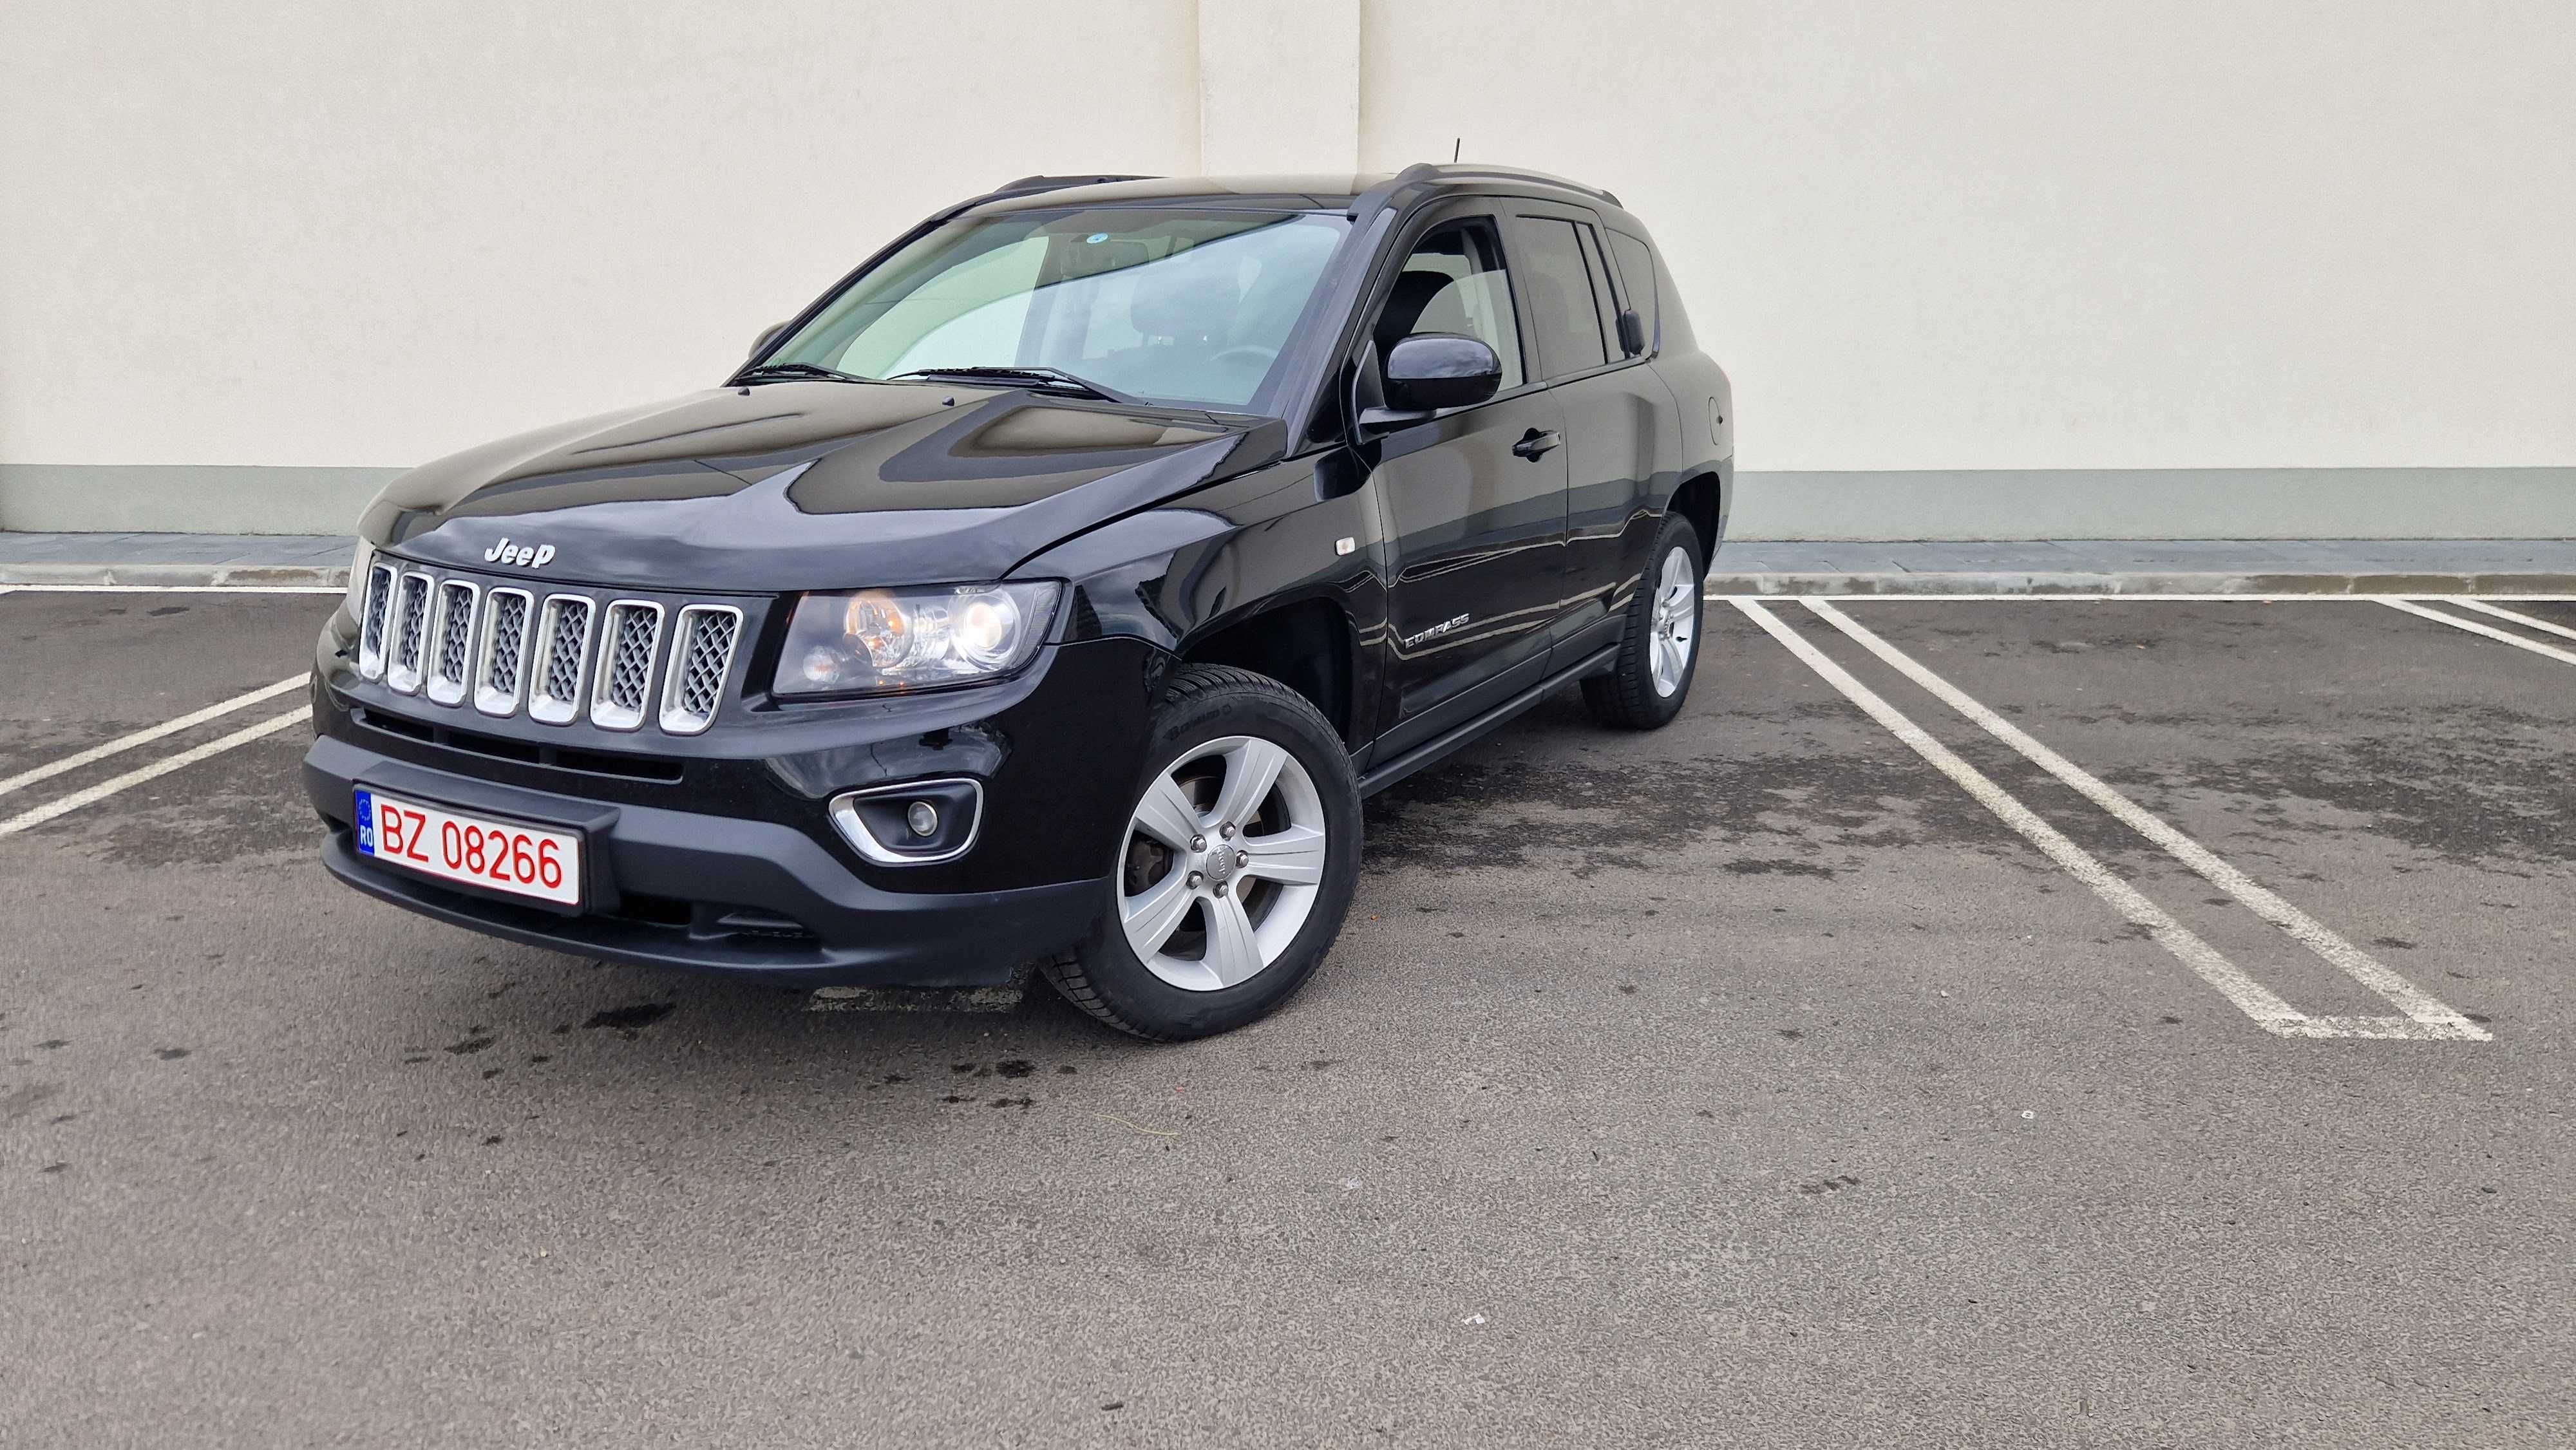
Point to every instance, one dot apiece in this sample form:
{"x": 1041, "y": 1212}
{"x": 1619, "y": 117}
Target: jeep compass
{"x": 1046, "y": 596}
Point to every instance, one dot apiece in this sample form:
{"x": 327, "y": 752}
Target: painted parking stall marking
{"x": 2250, "y": 996}
{"x": 2424, "y": 611}
{"x": 2420, "y": 1007}
{"x": 175, "y": 589}
{"x": 2426, "y": 1018}
{"x": 146, "y": 736}
{"x": 65, "y": 805}
{"x": 2525, "y": 620}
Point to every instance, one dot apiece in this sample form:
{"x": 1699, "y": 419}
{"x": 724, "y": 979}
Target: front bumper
{"x": 674, "y": 888}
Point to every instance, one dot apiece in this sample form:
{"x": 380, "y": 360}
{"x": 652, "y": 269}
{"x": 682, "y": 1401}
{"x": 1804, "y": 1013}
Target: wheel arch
{"x": 1700, "y": 498}
{"x": 1307, "y": 645}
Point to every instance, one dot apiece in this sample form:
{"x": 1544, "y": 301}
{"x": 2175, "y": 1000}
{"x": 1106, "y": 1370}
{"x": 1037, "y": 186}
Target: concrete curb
{"x": 1894, "y": 582}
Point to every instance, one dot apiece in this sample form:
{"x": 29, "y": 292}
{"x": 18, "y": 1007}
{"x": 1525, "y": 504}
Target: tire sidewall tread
{"x": 1626, "y": 697}
{"x": 1103, "y": 975}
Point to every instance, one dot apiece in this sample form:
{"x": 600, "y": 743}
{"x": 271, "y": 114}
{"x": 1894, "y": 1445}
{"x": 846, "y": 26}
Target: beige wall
{"x": 1928, "y": 234}
{"x": 371, "y": 231}
{"x": 1980, "y": 234}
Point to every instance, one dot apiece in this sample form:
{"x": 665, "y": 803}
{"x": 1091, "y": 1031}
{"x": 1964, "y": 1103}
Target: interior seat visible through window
{"x": 1454, "y": 282}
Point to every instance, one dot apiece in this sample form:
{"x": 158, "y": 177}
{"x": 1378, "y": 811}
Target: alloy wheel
{"x": 1675, "y": 619}
{"x": 1223, "y": 862}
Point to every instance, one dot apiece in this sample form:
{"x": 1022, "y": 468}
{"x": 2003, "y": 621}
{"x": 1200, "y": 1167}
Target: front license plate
{"x": 496, "y": 855}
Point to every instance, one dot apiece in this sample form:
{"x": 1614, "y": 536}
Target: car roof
{"x": 1346, "y": 193}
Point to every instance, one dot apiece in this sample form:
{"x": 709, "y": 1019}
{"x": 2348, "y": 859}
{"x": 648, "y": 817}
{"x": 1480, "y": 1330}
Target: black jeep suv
{"x": 1048, "y": 592}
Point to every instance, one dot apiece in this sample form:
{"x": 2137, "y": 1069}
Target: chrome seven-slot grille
{"x": 559, "y": 656}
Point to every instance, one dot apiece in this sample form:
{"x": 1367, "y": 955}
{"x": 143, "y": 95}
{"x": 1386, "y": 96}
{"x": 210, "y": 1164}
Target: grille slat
{"x": 563, "y": 650}
{"x": 501, "y": 672}
{"x": 558, "y": 655}
{"x": 701, "y": 654}
{"x": 452, "y": 641}
{"x": 371, "y": 621}
{"x": 411, "y": 634}
{"x": 625, "y": 671}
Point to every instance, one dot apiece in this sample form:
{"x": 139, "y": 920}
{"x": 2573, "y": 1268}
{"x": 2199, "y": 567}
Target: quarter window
{"x": 1637, "y": 271}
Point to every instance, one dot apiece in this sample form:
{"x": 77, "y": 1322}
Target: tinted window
{"x": 1637, "y": 272}
{"x": 1601, "y": 298}
{"x": 1453, "y": 281}
{"x": 1560, "y": 292}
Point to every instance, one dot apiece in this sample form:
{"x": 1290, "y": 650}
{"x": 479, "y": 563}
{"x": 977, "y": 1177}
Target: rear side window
{"x": 1604, "y": 306}
{"x": 1637, "y": 270}
{"x": 1559, "y": 284}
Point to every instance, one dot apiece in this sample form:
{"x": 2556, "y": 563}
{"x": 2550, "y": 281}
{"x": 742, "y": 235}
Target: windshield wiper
{"x": 797, "y": 370}
{"x": 1035, "y": 376}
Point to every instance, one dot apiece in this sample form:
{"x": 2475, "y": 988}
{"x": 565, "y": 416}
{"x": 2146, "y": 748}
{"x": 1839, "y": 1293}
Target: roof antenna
{"x": 1455, "y": 144}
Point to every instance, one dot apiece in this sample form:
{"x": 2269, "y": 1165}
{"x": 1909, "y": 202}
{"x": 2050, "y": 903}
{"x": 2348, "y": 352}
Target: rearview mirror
{"x": 1429, "y": 371}
{"x": 767, "y": 336}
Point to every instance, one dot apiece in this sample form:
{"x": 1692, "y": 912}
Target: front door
{"x": 1474, "y": 498}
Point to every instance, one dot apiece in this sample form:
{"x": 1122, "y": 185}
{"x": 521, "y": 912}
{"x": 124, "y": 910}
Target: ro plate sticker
{"x": 367, "y": 822}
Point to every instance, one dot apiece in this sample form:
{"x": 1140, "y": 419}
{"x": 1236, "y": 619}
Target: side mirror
{"x": 1632, "y": 332}
{"x": 1429, "y": 371}
{"x": 767, "y": 336}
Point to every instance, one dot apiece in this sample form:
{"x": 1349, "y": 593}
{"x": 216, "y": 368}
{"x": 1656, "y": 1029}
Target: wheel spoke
{"x": 1167, "y": 815}
{"x": 1293, "y": 857}
{"x": 1233, "y": 953}
{"x": 1152, "y": 915}
{"x": 1251, "y": 769}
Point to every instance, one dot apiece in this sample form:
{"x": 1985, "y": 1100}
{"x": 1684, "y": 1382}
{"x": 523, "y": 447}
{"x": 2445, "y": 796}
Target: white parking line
{"x": 145, "y": 737}
{"x": 65, "y": 805}
{"x": 2564, "y": 657}
{"x": 178, "y": 588}
{"x": 2256, "y": 1001}
{"x": 2041, "y": 598}
{"x": 2425, "y": 1015}
{"x": 2525, "y": 620}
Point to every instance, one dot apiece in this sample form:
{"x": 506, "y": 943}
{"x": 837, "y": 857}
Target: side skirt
{"x": 1431, "y": 752}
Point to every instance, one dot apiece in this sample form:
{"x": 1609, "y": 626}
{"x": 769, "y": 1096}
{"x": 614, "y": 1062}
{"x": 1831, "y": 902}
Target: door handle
{"x": 1536, "y": 442}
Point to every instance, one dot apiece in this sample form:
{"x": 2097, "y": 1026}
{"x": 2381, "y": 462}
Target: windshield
{"x": 1173, "y": 306}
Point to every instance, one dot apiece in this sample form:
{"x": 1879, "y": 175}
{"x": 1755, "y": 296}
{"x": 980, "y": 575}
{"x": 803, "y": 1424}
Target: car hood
{"x": 809, "y": 485}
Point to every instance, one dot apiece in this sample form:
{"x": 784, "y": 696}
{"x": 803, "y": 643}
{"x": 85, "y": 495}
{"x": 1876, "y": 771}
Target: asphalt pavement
{"x": 1973, "y": 1022}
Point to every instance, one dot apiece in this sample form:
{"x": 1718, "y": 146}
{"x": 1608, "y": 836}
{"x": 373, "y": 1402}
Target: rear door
{"x": 1611, "y": 409}
{"x": 1474, "y": 498}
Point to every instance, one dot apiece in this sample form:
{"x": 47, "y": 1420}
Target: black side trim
{"x": 1432, "y": 751}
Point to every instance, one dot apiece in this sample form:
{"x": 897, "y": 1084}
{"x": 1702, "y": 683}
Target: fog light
{"x": 918, "y": 823}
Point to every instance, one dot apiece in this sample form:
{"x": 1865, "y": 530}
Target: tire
{"x": 1663, "y": 616}
{"x": 1197, "y": 940}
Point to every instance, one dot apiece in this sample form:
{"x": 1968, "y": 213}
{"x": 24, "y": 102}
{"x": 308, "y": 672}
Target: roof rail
{"x": 1422, "y": 172}
{"x": 1028, "y": 184}
{"x": 1522, "y": 173}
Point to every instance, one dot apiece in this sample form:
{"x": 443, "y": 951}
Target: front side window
{"x": 1172, "y": 306}
{"x": 1453, "y": 281}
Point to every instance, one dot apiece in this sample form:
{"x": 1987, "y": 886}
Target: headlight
{"x": 358, "y": 579}
{"x": 876, "y": 641}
